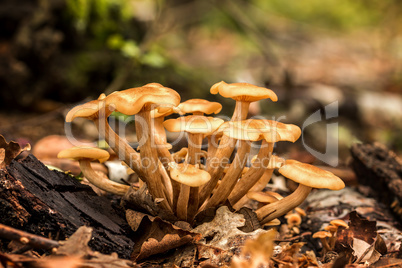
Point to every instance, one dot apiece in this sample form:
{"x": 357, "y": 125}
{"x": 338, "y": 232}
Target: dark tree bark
{"x": 52, "y": 204}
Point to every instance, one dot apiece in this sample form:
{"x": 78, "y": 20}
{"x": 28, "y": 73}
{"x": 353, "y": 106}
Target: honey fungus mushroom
{"x": 308, "y": 177}
{"x": 85, "y": 155}
{"x": 139, "y": 102}
{"x": 243, "y": 94}
{"x": 190, "y": 177}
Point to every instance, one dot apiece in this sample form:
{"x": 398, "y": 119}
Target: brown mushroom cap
{"x": 331, "y": 228}
{"x": 293, "y": 219}
{"x": 193, "y": 124}
{"x": 274, "y": 222}
{"x": 262, "y": 197}
{"x": 310, "y": 175}
{"x": 88, "y": 110}
{"x": 338, "y": 223}
{"x": 322, "y": 234}
{"x": 80, "y": 153}
{"x": 257, "y": 129}
{"x": 200, "y": 105}
{"x": 133, "y": 100}
{"x": 189, "y": 175}
{"x": 243, "y": 92}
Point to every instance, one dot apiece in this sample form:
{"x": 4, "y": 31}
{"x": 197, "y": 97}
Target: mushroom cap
{"x": 300, "y": 211}
{"x": 257, "y": 129}
{"x": 310, "y": 175}
{"x": 261, "y": 197}
{"x": 275, "y": 194}
{"x": 189, "y": 175}
{"x": 89, "y": 110}
{"x": 274, "y": 222}
{"x": 322, "y": 234}
{"x": 243, "y": 92}
{"x": 275, "y": 162}
{"x": 193, "y": 124}
{"x": 200, "y": 105}
{"x": 293, "y": 219}
{"x": 338, "y": 223}
{"x": 81, "y": 153}
{"x": 150, "y": 96}
{"x": 331, "y": 228}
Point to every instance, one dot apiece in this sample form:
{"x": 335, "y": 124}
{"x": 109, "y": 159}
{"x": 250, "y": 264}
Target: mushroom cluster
{"x": 193, "y": 179}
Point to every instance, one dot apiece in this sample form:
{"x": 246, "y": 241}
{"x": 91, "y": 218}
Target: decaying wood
{"x": 380, "y": 169}
{"x": 52, "y": 204}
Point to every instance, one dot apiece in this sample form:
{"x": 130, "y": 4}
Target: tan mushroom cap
{"x": 338, "y": 223}
{"x": 311, "y": 176}
{"x": 274, "y": 222}
{"x": 257, "y": 129}
{"x": 150, "y": 96}
{"x": 243, "y": 92}
{"x": 88, "y": 110}
{"x": 80, "y": 153}
{"x": 189, "y": 175}
{"x": 261, "y": 197}
{"x": 200, "y": 105}
{"x": 331, "y": 228}
{"x": 293, "y": 219}
{"x": 193, "y": 124}
{"x": 322, "y": 234}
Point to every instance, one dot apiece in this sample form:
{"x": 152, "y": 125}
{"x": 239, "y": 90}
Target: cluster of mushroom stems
{"x": 193, "y": 179}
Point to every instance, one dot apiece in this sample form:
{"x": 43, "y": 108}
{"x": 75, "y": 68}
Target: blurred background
{"x": 55, "y": 54}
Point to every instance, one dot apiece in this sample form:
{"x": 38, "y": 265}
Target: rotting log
{"x": 381, "y": 170}
{"x": 53, "y": 204}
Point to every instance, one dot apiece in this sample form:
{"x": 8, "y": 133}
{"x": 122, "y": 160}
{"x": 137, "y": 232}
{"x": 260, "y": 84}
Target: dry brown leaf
{"x": 142, "y": 201}
{"x": 222, "y": 235}
{"x": 156, "y": 235}
{"x": 77, "y": 245}
{"x": 11, "y": 151}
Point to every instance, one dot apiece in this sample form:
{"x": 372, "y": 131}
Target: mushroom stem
{"x": 255, "y": 172}
{"x": 274, "y": 210}
{"x": 229, "y": 180}
{"x": 325, "y": 244}
{"x": 120, "y": 146}
{"x": 259, "y": 186}
{"x": 225, "y": 149}
{"x": 98, "y": 181}
{"x": 194, "y": 153}
{"x": 149, "y": 157}
{"x": 182, "y": 202}
{"x": 194, "y": 148}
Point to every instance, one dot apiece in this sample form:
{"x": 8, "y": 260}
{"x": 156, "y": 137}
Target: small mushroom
{"x": 308, "y": 177}
{"x": 293, "y": 219}
{"x": 243, "y": 94}
{"x": 323, "y": 235}
{"x": 189, "y": 176}
{"x": 195, "y": 126}
{"x": 85, "y": 155}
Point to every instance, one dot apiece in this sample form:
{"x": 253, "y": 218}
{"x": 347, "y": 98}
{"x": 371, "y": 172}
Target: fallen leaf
{"x": 11, "y": 151}
{"x": 221, "y": 235}
{"x": 156, "y": 235}
{"x": 142, "y": 201}
{"x": 77, "y": 245}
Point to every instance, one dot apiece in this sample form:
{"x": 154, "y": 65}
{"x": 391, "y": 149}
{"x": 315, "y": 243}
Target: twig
{"x": 293, "y": 238}
{"x": 28, "y": 239}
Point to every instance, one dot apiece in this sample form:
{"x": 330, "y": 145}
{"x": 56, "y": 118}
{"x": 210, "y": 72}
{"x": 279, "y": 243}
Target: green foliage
{"x": 334, "y": 14}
